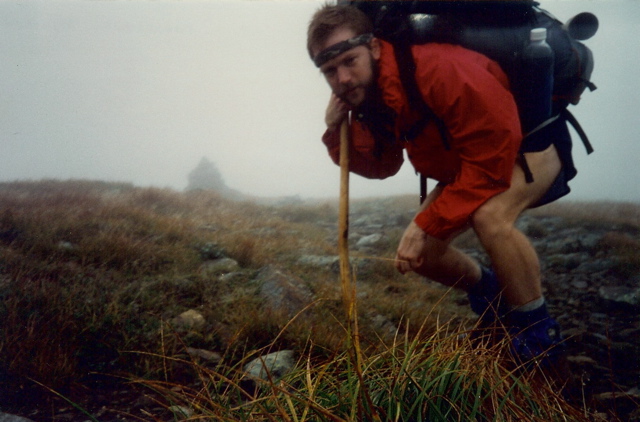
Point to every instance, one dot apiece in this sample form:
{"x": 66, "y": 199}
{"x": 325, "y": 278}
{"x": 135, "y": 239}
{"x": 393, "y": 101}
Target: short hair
{"x": 331, "y": 17}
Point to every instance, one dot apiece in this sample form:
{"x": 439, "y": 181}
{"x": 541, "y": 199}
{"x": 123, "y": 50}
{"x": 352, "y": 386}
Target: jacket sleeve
{"x": 362, "y": 159}
{"x": 470, "y": 94}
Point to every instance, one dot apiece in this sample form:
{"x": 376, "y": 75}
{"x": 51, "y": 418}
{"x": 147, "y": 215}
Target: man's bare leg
{"x": 513, "y": 257}
{"x": 534, "y": 336}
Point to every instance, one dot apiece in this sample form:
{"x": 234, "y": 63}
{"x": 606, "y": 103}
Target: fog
{"x": 139, "y": 91}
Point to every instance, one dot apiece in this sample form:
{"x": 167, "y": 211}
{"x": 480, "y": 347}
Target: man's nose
{"x": 344, "y": 76}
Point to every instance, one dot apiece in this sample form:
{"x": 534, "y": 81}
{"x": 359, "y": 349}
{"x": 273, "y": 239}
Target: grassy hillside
{"x": 92, "y": 273}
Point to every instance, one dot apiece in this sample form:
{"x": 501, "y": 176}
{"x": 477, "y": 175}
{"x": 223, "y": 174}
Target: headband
{"x": 339, "y": 48}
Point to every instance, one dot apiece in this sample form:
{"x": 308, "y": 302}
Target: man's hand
{"x": 412, "y": 249}
{"x": 336, "y": 112}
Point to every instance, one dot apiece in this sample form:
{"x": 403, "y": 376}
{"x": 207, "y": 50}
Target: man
{"x": 479, "y": 165}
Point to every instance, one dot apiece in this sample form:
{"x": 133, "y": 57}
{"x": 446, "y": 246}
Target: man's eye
{"x": 329, "y": 72}
{"x": 350, "y": 61}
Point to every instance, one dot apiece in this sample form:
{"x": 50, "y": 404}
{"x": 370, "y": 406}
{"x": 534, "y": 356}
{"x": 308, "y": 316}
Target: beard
{"x": 375, "y": 114}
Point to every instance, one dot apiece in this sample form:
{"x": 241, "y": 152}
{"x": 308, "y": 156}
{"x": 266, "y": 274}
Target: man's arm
{"x": 470, "y": 93}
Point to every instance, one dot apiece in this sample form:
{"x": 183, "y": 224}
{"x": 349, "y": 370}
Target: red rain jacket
{"x": 470, "y": 93}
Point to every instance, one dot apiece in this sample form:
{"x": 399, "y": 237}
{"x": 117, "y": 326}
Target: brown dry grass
{"x": 89, "y": 270}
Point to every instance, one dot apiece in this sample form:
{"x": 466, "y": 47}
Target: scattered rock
{"x": 621, "y": 295}
{"x": 211, "y": 251}
{"x": 370, "y": 241}
{"x": 282, "y": 291}
{"x": 320, "y": 261}
{"x": 271, "y": 367}
{"x": 234, "y": 276}
{"x": 218, "y": 266}
{"x": 582, "y": 360}
{"x": 181, "y": 412}
{"x": 383, "y": 326}
{"x": 212, "y": 357}
{"x": 567, "y": 261}
{"x": 66, "y": 246}
{"x": 5, "y": 417}
{"x": 190, "y": 320}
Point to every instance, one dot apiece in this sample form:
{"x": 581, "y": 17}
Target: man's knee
{"x": 433, "y": 259}
{"x": 493, "y": 219}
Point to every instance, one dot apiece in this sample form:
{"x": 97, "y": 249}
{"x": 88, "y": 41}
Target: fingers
{"x": 405, "y": 265}
{"x": 412, "y": 249}
{"x": 336, "y": 112}
{"x": 401, "y": 265}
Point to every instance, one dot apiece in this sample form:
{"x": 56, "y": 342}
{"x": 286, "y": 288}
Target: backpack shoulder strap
{"x": 407, "y": 69}
{"x": 570, "y": 118}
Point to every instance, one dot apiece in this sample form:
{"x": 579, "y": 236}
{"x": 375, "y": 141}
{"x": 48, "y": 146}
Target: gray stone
{"x": 384, "y": 327}
{"x": 218, "y": 266}
{"x": 190, "y": 320}
{"x": 322, "y": 261}
{"x": 272, "y": 366}
{"x": 6, "y": 417}
{"x": 366, "y": 221}
{"x": 591, "y": 241}
{"x": 210, "y": 251}
{"x": 281, "y": 291}
{"x": 532, "y": 228}
{"x": 66, "y": 246}
{"x": 204, "y": 354}
{"x": 597, "y": 265}
{"x": 568, "y": 261}
{"x": 620, "y": 295}
{"x": 332, "y": 263}
{"x": 181, "y": 413}
{"x": 232, "y": 277}
{"x": 370, "y": 241}
{"x": 579, "y": 284}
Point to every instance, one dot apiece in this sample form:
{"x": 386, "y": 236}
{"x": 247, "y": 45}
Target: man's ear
{"x": 375, "y": 48}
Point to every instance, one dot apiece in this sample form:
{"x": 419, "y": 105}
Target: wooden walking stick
{"x": 348, "y": 284}
{"x": 343, "y": 220}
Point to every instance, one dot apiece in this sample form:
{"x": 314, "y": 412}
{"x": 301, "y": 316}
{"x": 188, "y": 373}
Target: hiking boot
{"x": 540, "y": 343}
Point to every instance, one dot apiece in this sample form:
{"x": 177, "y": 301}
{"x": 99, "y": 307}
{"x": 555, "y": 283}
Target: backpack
{"x": 499, "y": 29}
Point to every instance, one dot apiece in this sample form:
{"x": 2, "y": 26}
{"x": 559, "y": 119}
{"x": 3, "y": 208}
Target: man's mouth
{"x": 348, "y": 93}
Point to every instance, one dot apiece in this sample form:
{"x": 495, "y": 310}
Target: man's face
{"x": 351, "y": 73}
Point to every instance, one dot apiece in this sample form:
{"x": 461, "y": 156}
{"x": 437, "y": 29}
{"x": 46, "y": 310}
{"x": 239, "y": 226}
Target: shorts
{"x": 557, "y": 134}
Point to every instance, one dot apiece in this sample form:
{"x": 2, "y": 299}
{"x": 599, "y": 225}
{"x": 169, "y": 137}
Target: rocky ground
{"x": 591, "y": 280}
{"x": 594, "y": 292}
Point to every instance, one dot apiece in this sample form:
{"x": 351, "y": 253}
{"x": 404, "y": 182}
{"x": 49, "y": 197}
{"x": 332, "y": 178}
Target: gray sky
{"x": 139, "y": 91}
